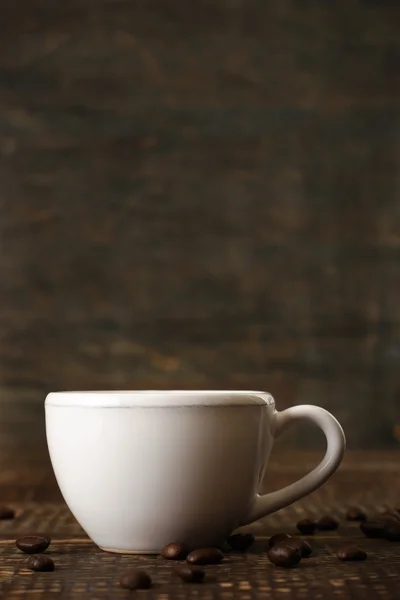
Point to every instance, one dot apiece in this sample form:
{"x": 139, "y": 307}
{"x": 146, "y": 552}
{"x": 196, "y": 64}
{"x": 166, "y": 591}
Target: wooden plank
{"x": 366, "y": 479}
{"x": 201, "y": 196}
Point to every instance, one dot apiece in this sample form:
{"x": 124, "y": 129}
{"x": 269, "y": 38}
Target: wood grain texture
{"x": 366, "y": 479}
{"x": 201, "y": 195}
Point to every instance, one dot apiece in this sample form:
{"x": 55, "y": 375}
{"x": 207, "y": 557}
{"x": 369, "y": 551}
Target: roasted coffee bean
{"x": 240, "y": 542}
{"x": 327, "y": 524}
{"x": 306, "y": 526}
{"x": 175, "y": 551}
{"x": 373, "y": 529}
{"x": 355, "y": 514}
{"x": 390, "y": 515}
{"x": 284, "y": 555}
{"x": 302, "y": 545}
{"x": 34, "y": 544}
{"x": 392, "y": 531}
{"x": 190, "y": 574}
{"x": 278, "y": 538}
{"x": 40, "y": 563}
{"x": 351, "y": 553}
{"x": 135, "y": 580}
{"x": 6, "y": 513}
{"x": 205, "y": 556}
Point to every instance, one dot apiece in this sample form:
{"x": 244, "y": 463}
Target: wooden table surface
{"x": 369, "y": 480}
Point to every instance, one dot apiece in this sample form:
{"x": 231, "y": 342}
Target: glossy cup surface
{"x": 142, "y": 469}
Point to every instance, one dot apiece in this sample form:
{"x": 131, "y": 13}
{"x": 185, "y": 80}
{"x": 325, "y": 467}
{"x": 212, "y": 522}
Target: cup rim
{"x": 158, "y": 398}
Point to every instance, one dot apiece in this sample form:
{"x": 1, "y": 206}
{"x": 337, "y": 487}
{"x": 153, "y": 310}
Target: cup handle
{"x": 336, "y": 443}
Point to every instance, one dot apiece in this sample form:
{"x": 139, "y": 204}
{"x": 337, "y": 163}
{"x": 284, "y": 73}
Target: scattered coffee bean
{"x": 175, "y": 551}
{"x": 373, "y": 529}
{"x": 240, "y": 542}
{"x": 135, "y": 580}
{"x": 40, "y": 563}
{"x": 190, "y": 574}
{"x": 6, "y": 513}
{"x": 278, "y": 538}
{"x": 351, "y": 553}
{"x": 302, "y": 545}
{"x": 34, "y": 544}
{"x": 284, "y": 555}
{"x": 355, "y": 514}
{"x": 392, "y": 531}
{"x": 306, "y": 526}
{"x": 205, "y": 556}
{"x": 327, "y": 524}
{"x": 390, "y": 515}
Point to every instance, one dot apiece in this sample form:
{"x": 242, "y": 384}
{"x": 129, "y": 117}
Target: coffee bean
{"x": 392, "y": 531}
{"x": 6, "y": 513}
{"x": 306, "y": 526}
{"x": 175, "y": 551}
{"x": 135, "y": 580}
{"x": 302, "y": 545}
{"x": 205, "y": 556}
{"x": 240, "y": 542}
{"x": 190, "y": 574}
{"x": 40, "y": 563}
{"x": 278, "y": 538}
{"x": 355, "y": 514}
{"x": 351, "y": 553}
{"x": 33, "y": 544}
{"x": 327, "y": 524}
{"x": 284, "y": 555}
{"x": 373, "y": 529}
{"x": 390, "y": 515}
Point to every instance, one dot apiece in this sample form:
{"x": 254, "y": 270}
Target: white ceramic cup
{"x": 142, "y": 469}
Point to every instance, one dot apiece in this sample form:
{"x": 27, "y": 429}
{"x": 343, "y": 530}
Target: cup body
{"x": 138, "y": 474}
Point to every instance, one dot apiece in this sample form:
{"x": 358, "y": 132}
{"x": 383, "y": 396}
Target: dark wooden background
{"x": 201, "y": 194}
